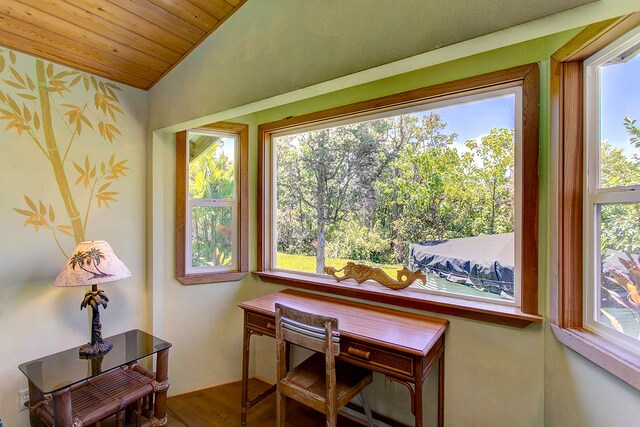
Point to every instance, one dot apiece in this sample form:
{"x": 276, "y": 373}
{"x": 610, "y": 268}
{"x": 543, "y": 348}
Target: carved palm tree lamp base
{"x": 89, "y": 350}
{"x": 93, "y": 263}
{"x": 95, "y": 298}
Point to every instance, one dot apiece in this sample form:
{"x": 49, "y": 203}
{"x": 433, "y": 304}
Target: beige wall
{"x": 37, "y": 319}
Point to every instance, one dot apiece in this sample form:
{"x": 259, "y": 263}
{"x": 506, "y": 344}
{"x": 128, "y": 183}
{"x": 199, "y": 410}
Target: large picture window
{"x": 211, "y": 211}
{"x": 434, "y": 188}
{"x": 612, "y": 192}
{"x": 434, "y": 183}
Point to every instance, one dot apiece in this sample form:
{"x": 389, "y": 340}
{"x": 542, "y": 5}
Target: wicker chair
{"x": 321, "y": 382}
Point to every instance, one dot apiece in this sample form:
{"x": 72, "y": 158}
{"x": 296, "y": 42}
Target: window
{"x": 594, "y": 97}
{"x": 431, "y": 182}
{"x": 211, "y": 203}
{"x": 612, "y": 192}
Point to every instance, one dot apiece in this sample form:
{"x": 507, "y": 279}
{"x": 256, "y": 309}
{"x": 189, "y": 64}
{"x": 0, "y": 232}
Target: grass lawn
{"x": 308, "y": 263}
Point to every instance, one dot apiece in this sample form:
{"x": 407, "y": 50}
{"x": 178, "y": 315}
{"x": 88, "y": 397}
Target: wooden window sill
{"x": 200, "y": 279}
{"x": 611, "y": 357}
{"x": 477, "y": 310}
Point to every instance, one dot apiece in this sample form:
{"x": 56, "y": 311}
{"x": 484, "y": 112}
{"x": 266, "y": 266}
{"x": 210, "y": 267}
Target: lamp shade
{"x": 92, "y": 263}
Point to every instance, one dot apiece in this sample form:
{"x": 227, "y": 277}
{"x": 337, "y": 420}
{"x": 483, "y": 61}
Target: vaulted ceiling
{"x": 134, "y": 42}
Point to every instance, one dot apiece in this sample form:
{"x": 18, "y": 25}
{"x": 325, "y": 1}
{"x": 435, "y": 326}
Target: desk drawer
{"x": 376, "y": 358}
{"x": 261, "y": 323}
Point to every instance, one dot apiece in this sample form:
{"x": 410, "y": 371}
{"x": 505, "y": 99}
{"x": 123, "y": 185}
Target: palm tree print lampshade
{"x": 93, "y": 263}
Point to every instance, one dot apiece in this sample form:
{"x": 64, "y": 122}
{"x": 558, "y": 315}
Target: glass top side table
{"x": 65, "y": 377}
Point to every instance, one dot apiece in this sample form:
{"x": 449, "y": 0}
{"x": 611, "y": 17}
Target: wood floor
{"x": 220, "y": 407}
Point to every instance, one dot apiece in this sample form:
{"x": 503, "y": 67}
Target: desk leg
{"x": 162, "y": 378}
{"x": 441, "y": 390}
{"x": 417, "y": 402}
{"x": 62, "y": 414}
{"x": 246, "y": 347}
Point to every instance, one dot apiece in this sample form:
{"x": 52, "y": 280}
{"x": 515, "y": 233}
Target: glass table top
{"x": 64, "y": 369}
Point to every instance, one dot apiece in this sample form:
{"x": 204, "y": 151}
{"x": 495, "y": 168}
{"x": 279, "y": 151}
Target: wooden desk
{"x": 402, "y": 346}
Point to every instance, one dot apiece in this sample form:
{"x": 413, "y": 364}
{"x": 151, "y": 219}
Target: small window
{"x": 612, "y": 191}
{"x": 211, "y": 204}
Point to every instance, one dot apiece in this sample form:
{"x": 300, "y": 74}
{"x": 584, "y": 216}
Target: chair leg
{"x": 367, "y": 408}
{"x": 281, "y": 404}
{"x": 332, "y": 415}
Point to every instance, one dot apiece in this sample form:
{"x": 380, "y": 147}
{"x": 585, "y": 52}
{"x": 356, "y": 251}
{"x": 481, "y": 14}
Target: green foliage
{"x": 633, "y": 131}
{"x": 351, "y": 240}
{"x": 211, "y": 176}
{"x": 370, "y": 189}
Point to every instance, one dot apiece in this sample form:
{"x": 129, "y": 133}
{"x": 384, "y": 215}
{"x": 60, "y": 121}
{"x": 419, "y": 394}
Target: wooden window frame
{"x": 526, "y": 77}
{"x": 242, "y": 213}
{"x": 567, "y": 128}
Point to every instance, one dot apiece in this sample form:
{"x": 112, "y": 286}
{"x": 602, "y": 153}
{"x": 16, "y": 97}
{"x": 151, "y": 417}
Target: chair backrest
{"x": 311, "y": 331}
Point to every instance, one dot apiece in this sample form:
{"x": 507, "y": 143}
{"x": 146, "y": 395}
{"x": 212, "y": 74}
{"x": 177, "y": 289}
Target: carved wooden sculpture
{"x": 361, "y": 273}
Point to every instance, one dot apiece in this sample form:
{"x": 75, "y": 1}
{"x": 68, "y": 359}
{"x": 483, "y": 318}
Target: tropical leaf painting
{"x": 42, "y": 105}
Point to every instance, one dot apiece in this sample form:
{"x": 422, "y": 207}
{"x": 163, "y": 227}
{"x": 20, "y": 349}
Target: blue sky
{"x": 620, "y": 84}
{"x": 475, "y": 119}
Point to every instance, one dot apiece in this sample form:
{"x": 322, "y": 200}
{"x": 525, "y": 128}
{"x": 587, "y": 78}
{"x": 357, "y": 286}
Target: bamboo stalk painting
{"x": 34, "y": 104}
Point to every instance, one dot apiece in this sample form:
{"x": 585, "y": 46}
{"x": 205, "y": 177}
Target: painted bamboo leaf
{"x": 105, "y": 197}
{"x": 15, "y": 121}
{"x": 14, "y": 84}
{"x": 17, "y": 76}
{"x": 36, "y": 120}
{"x": 26, "y": 113}
{"x": 13, "y": 104}
{"x": 75, "y": 80}
{"x": 36, "y": 215}
{"x": 2, "y": 63}
{"x": 104, "y": 187}
{"x": 84, "y": 174}
{"x": 65, "y": 229}
{"x": 49, "y": 70}
{"x": 12, "y": 57}
{"x": 59, "y": 86}
{"x": 52, "y": 215}
{"x": 30, "y": 83}
{"x": 108, "y": 131}
{"x": 30, "y": 203}
{"x": 27, "y": 96}
{"x": 117, "y": 170}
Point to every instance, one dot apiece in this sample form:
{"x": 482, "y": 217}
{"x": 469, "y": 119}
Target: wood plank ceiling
{"x": 134, "y": 42}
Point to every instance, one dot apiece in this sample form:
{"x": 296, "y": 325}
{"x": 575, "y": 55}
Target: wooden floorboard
{"x": 220, "y": 407}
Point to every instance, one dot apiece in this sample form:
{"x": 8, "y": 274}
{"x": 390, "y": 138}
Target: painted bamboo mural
{"x": 34, "y": 104}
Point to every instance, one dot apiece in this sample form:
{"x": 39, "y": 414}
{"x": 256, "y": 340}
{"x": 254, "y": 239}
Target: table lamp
{"x": 93, "y": 263}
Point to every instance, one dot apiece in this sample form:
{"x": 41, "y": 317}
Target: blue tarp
{"x": 485, "y": 263}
